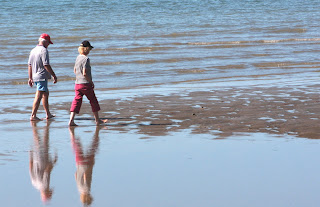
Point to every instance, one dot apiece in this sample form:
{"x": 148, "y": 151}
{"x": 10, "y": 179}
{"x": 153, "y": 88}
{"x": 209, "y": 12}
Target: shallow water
{"x": 141, "y": 42}
{"x": 175, "y": 170}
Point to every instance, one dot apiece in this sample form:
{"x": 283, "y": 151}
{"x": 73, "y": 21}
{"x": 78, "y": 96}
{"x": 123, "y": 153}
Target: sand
{"x": 221, "y": 111}
{"x": 188, "y": 147}
{"x": 216, "y": 109}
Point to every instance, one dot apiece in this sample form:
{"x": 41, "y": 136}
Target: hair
{"x": 86, "y": 199}
{"x": 42, "y": 40}
{"x": 84, "y": 50}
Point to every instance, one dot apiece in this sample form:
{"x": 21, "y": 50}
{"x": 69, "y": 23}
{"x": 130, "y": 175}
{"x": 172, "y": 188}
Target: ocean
{"x": 160, "y": 42}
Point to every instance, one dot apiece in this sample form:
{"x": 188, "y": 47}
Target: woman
{"x": 84, "y": 85}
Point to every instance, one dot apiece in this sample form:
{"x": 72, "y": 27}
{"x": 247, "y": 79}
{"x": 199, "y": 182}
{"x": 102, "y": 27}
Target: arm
{"x": 30, "y": 81}
{"x": 49, "y": 69}
{"x": 87, "y": 77}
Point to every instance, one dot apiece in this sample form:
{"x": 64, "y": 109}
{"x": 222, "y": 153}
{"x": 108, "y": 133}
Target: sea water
{"x": 140, "y": 42}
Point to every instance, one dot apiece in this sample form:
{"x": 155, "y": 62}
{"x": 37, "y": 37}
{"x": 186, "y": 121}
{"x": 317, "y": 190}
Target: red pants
{"x": 87, "y": 90}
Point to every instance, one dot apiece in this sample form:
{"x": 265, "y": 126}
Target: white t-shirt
{"x": 38, "y": 58}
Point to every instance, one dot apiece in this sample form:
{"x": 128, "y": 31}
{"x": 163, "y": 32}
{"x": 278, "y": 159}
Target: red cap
{"x": 46, "y": 37}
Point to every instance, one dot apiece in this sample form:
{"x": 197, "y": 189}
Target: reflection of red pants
{"x": 87, "y": 90}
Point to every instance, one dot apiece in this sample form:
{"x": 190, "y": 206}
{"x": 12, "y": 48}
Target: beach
{"x": 209, "y": 103}
{"x": 243, "y": 106}
{"x": 186, "y": 144}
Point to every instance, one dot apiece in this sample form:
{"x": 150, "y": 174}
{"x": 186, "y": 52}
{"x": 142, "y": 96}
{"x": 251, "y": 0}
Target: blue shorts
{"x": 42, "y": 85}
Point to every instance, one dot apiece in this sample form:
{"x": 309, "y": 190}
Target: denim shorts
{"x": 42, "y": 85}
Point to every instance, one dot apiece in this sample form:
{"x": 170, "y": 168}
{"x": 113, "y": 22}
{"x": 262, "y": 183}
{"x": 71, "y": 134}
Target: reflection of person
{"x": 84, "y": 84}
{"x": 41, "y": 164}
{"x": 40, "y": 71}
{"x": 84, "y": 163}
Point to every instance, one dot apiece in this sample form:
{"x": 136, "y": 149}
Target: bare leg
{"x": 45, "y": 102}
{"x": 98, "y": 120}
{"x": 71, "y": 121}
{"x": 35, "y": 106}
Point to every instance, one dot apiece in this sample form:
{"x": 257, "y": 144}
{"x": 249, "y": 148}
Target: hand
{"x": 55, "y": 79}
{"x": 30, "y": 82}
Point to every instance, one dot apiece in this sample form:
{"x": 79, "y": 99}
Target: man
{"x": 40, "y": 71}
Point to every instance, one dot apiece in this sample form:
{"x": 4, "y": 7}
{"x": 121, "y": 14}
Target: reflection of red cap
{"x": 46, "y": 37}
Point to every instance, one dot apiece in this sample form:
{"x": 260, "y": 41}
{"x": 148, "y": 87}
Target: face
{"x": 46, "y": 44}
{"x": 88, "y": 51}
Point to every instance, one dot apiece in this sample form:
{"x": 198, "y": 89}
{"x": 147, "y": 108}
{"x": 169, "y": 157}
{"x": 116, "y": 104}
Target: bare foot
{"x": 51, "y": 116}
{"x": 102, "y": 121}
{"x": 72, "y": 124}
{"x": 34, "y": 118}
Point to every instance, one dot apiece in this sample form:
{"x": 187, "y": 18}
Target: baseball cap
{"x": 46, "y": 37}
{"x": 86, "y": 43}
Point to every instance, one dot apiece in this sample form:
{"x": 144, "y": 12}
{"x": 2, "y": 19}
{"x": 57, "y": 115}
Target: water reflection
{"x": 41, "y": 163}
{"x": 85, "y": 159}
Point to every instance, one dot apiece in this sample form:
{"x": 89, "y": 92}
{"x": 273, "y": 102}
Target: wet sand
{"x": 224, "y": 145}
{"x": 272, "y": 110}
{"x": 222, "y": 112}
{"x": 217, "y": 110}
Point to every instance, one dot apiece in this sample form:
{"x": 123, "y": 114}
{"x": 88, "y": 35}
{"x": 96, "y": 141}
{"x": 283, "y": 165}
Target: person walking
{"x": 84, "y": 85}
{"x": 40, "y": 71}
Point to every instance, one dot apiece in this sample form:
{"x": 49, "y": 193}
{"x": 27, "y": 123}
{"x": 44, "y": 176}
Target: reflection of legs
{"x": 85, "y": 163}
{"x": 45, "y": 102}
{"x": 35, "y": 106}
